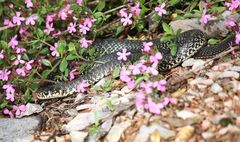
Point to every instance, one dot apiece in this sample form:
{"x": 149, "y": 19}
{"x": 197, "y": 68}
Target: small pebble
{"x": 207, "y": 135}
{"x": 216, "y": 88}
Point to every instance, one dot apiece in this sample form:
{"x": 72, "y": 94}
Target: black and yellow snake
{"x": 191, "y": 43}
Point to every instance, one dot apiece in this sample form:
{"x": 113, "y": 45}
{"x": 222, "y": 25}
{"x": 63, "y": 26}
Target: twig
{"x": 114, "y": 9}
{"x": 5, "y": 27}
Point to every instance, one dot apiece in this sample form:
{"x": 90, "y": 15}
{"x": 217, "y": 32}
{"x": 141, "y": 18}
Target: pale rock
{"x": 213, "y": 75}
{"x": 84, "y": 106}
{"x": 83, "y": 120}
{"x": 185, "y": 133}
{"x": 207, "y": 135}
{"x": 116, "y": 131}
{"x": 228, "y": 103}
{"x": 209, "y": 100}
{"x": 79, "y": 97}
{"x": 185, "y": 114}
{"x": 216, "y": 88}
{"x": 145, "y": 132}
{"x": 235, "y": 68}
{"x": 223, "y": 95}
{"x": 78, "y": 136}
{"x": 230, "y": 128}
{"x": 206, "y": 124}
{"x": 222, "y": 67}
{"x": 229, "y": 74}
{"x": 72, "y": 112}
{"x": 195, "y": 63}
{"x": 201, "y": 81}
{"x": 31, "y": 109}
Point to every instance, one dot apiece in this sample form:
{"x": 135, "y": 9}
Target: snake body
{"x": 190, "y": 43}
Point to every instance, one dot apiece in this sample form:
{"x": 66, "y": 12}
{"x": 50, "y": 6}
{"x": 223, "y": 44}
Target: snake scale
{"x": 191, "y": 43}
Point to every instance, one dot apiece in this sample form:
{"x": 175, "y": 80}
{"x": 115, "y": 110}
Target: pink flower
{"x": 123, "y": 55}
{"x": 85, "y": 42}
{"x": 9, "y": 92}
{"x": 4, "y": 74}
{"x": 55, "y": 35}
{"x": 147, "y": 46}
{"x": 237, "y": 38}
{"x": 21, "y": 71}
{"x": 13, "y": 42}
{"x": 29, "y": 3}
{"x": 20, "y": 50}
{"x": 22, "y": 30}
{"x": 1, "y": 54}
{"x": 88, "y": 22}
{"x": 71, "y": 74}
{"x": 54, "y": 50}
{"x": 19, "y": 110}
{"x": 123, "y": 12}
{"x": 154, "y": 59}
{"x": 63, "y": 14}
{"x": 71, "y": 28}
{"x": 17, "y": 19}
{"x": 135, "y": 9}
{"x": 135, "y": 69}
{"x": 160, "y": 85}
{"x": 173, "y": 100}
{"x": 79, "y": 2}
{"x": 8, "y": 23}
{"x": 205, "y": 17}
{"x": 152, "y": 106}
{"x": 124, "y": 75}
{"x": 82, "y": 87}
{"x": 50, "y": 18}
{"x": 84, "y": 29}
{"x": 127, "y": 20}
{"x": 140, "y": 97}
{"x": 8, "y": 112}
{"x": 11, "y": 6}
{"x": 233, "y": 5}
{"x": 152, "y": 70}
{"x": 49, "y": 28}
{"x": 131, "y": 84}
{"x": 28, "y": 65}
{"x": 31, "y": 19}
{"x": 147, "y": 87}
{"x": 160, "y": 9}
{"x": 230, "y": 23}
{"x": 18, "y": 60}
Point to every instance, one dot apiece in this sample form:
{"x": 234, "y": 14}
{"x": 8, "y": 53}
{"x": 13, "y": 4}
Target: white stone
{"x": 185, "y": 114}
{"x": 78, "y": 136}
{"x": 216, "y": 88}
{"x": 116, "y": 131}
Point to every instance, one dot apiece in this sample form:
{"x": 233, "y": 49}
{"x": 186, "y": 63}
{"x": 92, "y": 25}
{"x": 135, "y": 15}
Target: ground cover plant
{"x": 45, "y": 41}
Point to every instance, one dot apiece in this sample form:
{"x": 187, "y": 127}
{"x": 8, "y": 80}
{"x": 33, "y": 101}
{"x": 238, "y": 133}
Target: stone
{"x": 78, "y": 136}
{"x": 144, "y": 133}
{"x": 116, "y": 131}
{"x": 207, "y": 135}
{"x": 31, "y": 109}
{"x": 216, "y": 88}
{"x": 18, "y": 129}
{"x": 184, "y": 114}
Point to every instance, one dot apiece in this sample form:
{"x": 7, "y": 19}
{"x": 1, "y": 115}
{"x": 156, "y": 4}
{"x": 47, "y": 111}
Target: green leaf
{"x": 74, "y": 7}
{"x": 71, "y": 48}
{"x": 173, "y": 2}
{"x": 63, "y": 65}
{"x": 167, "y": 28}
{"x": 27, "y": 95}
{"x": 173, "y": 49}
{"x": 107, "y": 83}
{"x": 44, "y": 51}
{"x": 71, "y": 57}
{"x": 213, "y": 41}
{"x": 98, "y": 15}
{"x": 101, "y": 5}
{"x": 61, "y": 46}
{"x": 40, "y": 33}
{"x": 45, "y": 73}
{"x": 3, "y": 44}
{"x": 116, "y": 72}
{"x": 200, "y": 5}
{"x": 47, "y": 63}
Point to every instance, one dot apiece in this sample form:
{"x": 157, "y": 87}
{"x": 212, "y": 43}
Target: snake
{"x": 192, "y": 43}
